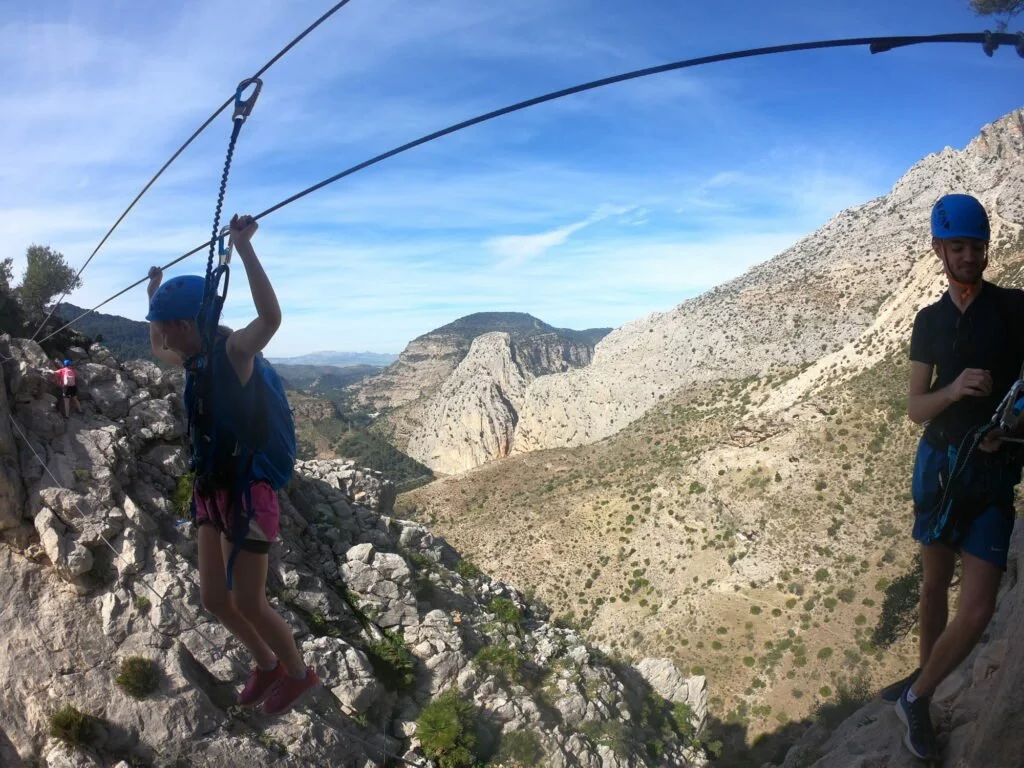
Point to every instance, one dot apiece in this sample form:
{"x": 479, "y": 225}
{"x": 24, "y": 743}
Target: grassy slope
{"x": 753, "y": 552}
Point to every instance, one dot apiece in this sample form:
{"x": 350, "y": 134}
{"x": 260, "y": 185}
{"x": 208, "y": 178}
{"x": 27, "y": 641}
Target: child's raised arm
{"x": 243, "y": 345}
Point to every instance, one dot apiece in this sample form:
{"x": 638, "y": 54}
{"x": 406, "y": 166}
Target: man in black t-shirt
{"x": 966, "y": 352}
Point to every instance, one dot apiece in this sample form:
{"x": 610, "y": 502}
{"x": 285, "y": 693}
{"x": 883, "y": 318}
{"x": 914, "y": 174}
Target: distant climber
{"x": 67, "y": 379}
{"x": 966, "y": 351}
{"x": 243, "y": 450}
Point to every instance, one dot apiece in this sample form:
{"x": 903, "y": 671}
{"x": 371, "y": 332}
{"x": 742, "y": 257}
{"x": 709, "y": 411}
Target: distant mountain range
{"x": 337, "y": 359}
{"x": 126, "y": 339}
{"x": 129, "y": 340}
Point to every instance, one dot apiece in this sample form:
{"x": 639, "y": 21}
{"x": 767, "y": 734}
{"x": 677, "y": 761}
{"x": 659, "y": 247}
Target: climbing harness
{"x": 1007, "y": 417}
{"x": 989, "y": 41}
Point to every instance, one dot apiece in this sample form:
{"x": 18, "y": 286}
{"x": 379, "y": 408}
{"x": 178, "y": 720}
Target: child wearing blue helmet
{"x": 242, "y": 452}
{"x": 966, "y": 352}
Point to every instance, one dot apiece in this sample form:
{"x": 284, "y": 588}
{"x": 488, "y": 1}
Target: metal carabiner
{"x": 224, "y": 250}
{"x": 243, "y": 107}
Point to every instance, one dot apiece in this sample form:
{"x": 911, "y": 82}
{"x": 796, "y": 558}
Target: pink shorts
{"x": 266, "y": 518}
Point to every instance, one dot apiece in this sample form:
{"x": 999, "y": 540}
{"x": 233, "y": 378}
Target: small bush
{"x": 519, "y": 749}
{"x": 392, "y": 661}
{"x": 466, "y": 569}
{"x": 445, "y": 728}
{"x": 71, "y": 726}
{"x": 142, "y": 603}
{"x": 507, "y": 612}
{"x": 500, "y": 660}
{"x": 139, "y": 676}
{"x": 825, "y": 653}
{"x": 181, "y": 499}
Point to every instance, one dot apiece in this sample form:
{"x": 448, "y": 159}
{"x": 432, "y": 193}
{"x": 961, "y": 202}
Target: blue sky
{"x": 590, "y": 211}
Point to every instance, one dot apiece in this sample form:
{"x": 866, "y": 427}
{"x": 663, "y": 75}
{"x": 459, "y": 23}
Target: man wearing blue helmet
{"x": 966, "y": 352}
{"x": 242, "y": 440}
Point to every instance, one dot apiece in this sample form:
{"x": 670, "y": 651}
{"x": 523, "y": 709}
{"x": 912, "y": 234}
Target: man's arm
{"x": 243, "y": 345}
{"x": 923, "y": 405}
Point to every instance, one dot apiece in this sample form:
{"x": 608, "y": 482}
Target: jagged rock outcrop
{"x": 977, "y": 711}
{"x": 96, "y": 569}
{"x": 472, "y": 417}
{"x": 312, "y": 409}
{"x": 843, "y": 295}
{"x": 410, "y": 387}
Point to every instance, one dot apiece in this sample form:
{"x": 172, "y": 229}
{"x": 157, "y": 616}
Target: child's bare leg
{"x": 213, "y": 589}
{"x": 249, "y": 593}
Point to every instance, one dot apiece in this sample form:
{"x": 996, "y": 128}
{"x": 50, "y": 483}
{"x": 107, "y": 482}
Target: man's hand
{"x": 972, "y": 382}
{"x": 993, "y": 441}
{"x": 242, "y": 230}
{"x": 156, "y": 276}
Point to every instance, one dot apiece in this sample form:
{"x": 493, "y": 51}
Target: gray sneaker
{"x": 917, "y": 717}
{"x": 892, "y": 693}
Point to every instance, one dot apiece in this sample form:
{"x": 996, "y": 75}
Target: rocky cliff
{"x": 107, "y": 657}
{"x": 818, "y": 303}
{"x": 472, "y": 417}
{"x": 410, "y": 388}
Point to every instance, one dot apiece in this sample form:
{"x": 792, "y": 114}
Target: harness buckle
{"x": 243, "y": 107}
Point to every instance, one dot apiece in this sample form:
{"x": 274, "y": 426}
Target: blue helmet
{"x": 66, "y": 363}
{"x": 959, "y": 216}
{"x": 180, "y": 298}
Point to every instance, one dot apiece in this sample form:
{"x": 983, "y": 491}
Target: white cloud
{"x": 517, "y": 249}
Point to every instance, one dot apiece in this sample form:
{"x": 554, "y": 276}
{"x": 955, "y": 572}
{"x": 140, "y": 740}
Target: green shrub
{"x": 181, "y": 499}
{"x": 466, "y": 569}
{"x": 519, "y": 749}
{"x": 392, "y": 661}
{"x": 501, "y": 660}
{"x": 71, "y": 726}
{"x": 507, "y": 612}
{"x": 138, "y": 676}
{"x": 445, "y": 729}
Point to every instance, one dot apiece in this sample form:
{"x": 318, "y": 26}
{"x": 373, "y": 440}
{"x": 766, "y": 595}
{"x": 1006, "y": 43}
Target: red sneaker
{"x": 259, "y": 683}
{"x": 289, "y": 692}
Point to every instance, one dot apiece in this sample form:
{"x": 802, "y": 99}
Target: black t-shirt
{"x": 988, "y": 335}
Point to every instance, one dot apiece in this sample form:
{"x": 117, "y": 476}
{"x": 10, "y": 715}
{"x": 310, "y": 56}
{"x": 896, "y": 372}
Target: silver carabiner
{"x": 224, "y": 250}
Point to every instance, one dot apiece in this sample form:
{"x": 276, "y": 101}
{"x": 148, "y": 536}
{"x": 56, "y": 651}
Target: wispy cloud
{"x": 515, "y": 250}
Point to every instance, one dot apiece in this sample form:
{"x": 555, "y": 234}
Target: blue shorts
{"x": 988, "y": 525}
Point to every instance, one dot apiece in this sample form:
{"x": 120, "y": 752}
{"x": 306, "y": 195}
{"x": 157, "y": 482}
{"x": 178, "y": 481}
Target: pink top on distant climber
{"x": 66, "y": 376}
